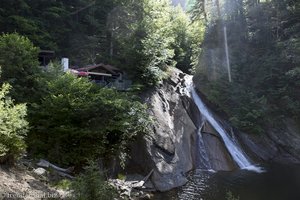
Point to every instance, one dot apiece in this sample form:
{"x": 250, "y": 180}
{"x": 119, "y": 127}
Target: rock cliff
{"x": 171, "y": 148}
{"x": 280, "y": 144}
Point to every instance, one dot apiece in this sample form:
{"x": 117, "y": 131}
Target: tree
{"x": 13, "y": 127}
{"x": 75, "y": 29}
{"x": 188, "y": 36}
{"x": 18, "y": 16}
{"x": 151, "y": 35}
{"x": 263, "y": 40}
{"x": 77, "y": 121}
{"x": 19, "y": 63}
{"x": 91, "y": 185}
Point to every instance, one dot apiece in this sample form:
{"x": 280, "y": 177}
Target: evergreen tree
{"x": 19, "y": 63}
{"x": 263, "y": 40}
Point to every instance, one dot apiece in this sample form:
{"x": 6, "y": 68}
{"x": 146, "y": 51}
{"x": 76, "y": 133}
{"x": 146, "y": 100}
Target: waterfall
{"x": 232, "y": 146}
{"x": 202, "y": 160}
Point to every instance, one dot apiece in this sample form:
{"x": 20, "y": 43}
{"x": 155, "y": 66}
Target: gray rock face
{"x": 277, "y": 145}
{"x": 172, "y": 143}
{"x": 169, "y": 149}
{"x": 172, "y": 147}
{"x": 219, "y": 156}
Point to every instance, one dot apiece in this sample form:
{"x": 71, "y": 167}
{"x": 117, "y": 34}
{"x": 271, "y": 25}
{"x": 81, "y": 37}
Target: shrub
{"x": 91, "y": 186}
{"x": 13, "y": 127}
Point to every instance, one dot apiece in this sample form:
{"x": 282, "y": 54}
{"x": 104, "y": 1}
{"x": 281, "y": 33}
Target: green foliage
{"x": 151, "y": 36}
{"x": 77, "y": 120}
{"x": 142, "y": 36}
{"x": 91, "y": 186}
{"x": 121, "y": 176}
{"x": 188, "y": 36}
{"x": 144, "y": 39}
{"x": 19, "y": 64}
{"x": 13, "y": 127}
{"x": 157, "y": 43}
{"x": 63, "y": 184}
{"x": 263, "y": 40}
{"x": 75, "y": 29}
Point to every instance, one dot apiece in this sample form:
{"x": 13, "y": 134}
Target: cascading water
{"x": 203, "y": 160}
{"x": 233, "y": 148}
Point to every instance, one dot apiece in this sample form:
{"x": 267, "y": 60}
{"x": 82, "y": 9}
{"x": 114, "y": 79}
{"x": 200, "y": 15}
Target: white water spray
{"x": 203, "y": 161}
{"x": 233, "y": 148}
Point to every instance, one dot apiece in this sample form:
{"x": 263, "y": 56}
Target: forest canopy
{"x": 142, "y": 37}
{"x": 244, "y": 55}
{"x": 264, "y": 46}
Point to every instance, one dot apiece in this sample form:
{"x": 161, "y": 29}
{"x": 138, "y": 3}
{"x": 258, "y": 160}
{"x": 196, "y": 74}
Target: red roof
{"x": 79, "y": 73}
{"x": 109, "y": 68}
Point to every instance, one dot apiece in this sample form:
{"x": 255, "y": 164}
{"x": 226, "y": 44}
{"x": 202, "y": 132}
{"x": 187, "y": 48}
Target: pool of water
{"x": 279, "y": 182}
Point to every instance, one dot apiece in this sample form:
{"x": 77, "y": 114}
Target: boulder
{"x": 40, "y": 171}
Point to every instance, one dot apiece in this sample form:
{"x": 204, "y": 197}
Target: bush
{"x": 19, "y": 63}
{"x": 91, "y": 186}
{"x": 13, "y": 127}
{"x": 152, "y": 76}
{"x": 78, "y": 121}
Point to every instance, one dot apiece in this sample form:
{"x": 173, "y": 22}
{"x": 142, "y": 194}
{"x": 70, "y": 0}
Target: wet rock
{"x": 145, "y": 197}
{"x": 133, "y": 189}
{"x": 219, "y": 157}
{"x": 181, "y": 75}
{"x": 137, "y": 178}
